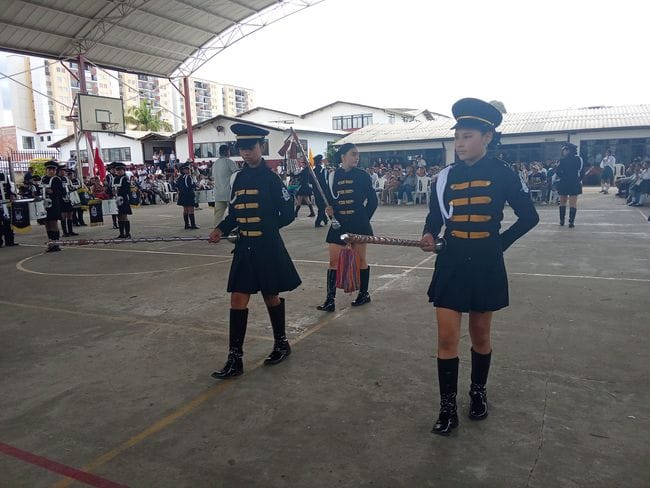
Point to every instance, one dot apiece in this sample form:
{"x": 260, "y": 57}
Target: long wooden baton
{"x": 233, "y": 238}
{"x": 335, "y": 223}
{"x": 439, "y": 243}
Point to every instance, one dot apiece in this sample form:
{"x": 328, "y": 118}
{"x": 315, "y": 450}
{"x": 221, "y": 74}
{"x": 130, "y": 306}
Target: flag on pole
{"x": 100, "y": 169}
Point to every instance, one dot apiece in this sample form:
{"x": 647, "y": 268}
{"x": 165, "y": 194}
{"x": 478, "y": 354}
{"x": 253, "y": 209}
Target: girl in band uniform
{"x": 569, "y": 186}
{"x": 353, "y": 202}
{"x": 66, "y": 205}
{"x": 122, "y": 192}
{"x": 53, "y": 196}
{"x": 470, "y": 275}
{"x": 186, "y": 197}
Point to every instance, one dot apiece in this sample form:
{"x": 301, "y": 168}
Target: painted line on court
{"x": 215, "y": 390}
{"x": 129, "y": 320}
{"x": 645, "y": 217}
{"x": 20, "y": 267}
{"x": 583, "y": 277}
{"x": 56, "y": 467}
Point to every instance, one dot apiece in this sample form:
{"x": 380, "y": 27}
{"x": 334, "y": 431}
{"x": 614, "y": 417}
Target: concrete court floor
{"x": 106, "y": 354}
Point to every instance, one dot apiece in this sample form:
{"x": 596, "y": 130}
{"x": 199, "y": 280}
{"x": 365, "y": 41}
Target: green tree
{"x": 142, "y": 117}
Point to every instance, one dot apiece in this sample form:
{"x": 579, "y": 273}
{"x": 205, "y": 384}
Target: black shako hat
{"x": 572, "y": 148}
{"x": 472, "y": 113}
{"x": 52, "y": 164}
{"x": 118, "y": 165}
{"x": 248, "y": 135}
{"x": 184, "y": 165}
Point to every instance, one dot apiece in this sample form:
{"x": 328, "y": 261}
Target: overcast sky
{"x": 427, "y": 54}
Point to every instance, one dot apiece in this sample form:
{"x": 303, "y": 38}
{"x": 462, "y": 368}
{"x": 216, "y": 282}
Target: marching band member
{"x": 6, "y": 196}
{"x": 122, "y": 192}
{"x": 321, "y": 174}
{"x": 66, "y": 204}
{"x": 186, "y": 198}
{"x": 470, "y": 275}
{"x": 259, "y": 205}
{"x": 569, "y": 186}
{"x": 53, "y": 197}
{"x": 108, "y": 183}
{"x": 78, "y": 211}
{"x": 349, "y": 188}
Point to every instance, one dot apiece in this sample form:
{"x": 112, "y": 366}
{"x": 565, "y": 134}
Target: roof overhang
{"x": 164, "y": 38}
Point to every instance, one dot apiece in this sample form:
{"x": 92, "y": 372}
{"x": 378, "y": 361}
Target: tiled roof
{"x": 578, "y": 119}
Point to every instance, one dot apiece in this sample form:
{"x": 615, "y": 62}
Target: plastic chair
{"x": 422, "y": 188}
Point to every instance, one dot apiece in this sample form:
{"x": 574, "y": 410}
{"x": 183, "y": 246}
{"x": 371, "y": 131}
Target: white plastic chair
{"x": 169, "y": 193}
{"x": 422, "y": 188}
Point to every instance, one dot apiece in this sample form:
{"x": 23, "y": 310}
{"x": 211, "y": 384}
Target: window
{"x": 116, "y": 154}
{"x": 42, "y": 139}
{"x": 28, "y": 142}
{"x": 347, "y": 122}
{"x": 211, "y": 149}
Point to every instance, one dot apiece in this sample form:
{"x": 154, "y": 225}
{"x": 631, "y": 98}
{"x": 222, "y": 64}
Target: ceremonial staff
{"x": 439, "y": 243}
{"x": 335, "y": 223}
{"x": 89, "y": 242}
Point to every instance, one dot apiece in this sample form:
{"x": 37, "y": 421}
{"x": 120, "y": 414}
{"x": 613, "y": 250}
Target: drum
{"x": 74, "y": 199}
{"x": 109, "y": 207}
{"x": 37, "y": 210}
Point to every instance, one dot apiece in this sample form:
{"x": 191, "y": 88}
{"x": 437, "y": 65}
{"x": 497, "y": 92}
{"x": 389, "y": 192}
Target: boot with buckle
{"x": 448, "y": 417}
{"x": 234, "y": 366}
{"x": 478, "y": 407}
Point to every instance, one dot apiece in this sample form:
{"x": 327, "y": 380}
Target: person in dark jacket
{"x": 53, "y": 197}
{"x": 470, "y": 275}
{"x": 259, "y": 206}
{"x": 569, "y": 171}
{"x": 186, "y": 187}
{"x": 353, "y": 201}
{"x": 305, "y": 191}
{"x": 321, "y": 173}
{"x": 122, "y": 193}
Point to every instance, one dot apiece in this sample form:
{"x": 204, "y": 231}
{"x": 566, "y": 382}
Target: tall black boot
{"x": 121, "y": 227}
{"x": 234, "y": 364}
{"x": 186, "y": 219}
{"x": 70, "y": 230}
{"x": 127, "y": 229}
{"x": 64, "y": 228}
{"x": 80, "y": 217}
{"x": 75, "y": 220}
{"x": 193, "y": 222}
{"x": 114, "y": 217}
{"x": 281, "y": 348}
{"x": 54, "y": 236}
{"x": 448, "y": 381}
{"x": 478, "y": 407}
{"x": 363, "y": 297}
{"x": 572, "y": 216}
{"x": 297, "y": 210}
{"x": 311, "y": 211}
{"x": 329, "y": 305}
{"x": 562, "y": 214}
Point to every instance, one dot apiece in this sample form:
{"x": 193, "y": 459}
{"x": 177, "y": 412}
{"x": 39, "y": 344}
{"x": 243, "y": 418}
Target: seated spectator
{"x": 640, "y": 188}
{"x": 406, "y": 189}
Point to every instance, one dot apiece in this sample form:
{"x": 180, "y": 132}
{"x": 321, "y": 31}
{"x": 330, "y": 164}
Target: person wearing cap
{"x": 66, "y": 204}
{"x": 259, "y": 206}
{"x": 569, "y": 184}
{"x": 109, "y": 181}
{"x": 470, "y": 275}
{"x": 352, "y": 201}
{"x": 222, "y": 170}
{"x": 53, "y": 196}
{"x": 78, "y": 211}
{"x": 186, "y": 187}
{"x": 608, "y": 165}
{"x": 122, "y": 192}
{"x": 321, "y": 173}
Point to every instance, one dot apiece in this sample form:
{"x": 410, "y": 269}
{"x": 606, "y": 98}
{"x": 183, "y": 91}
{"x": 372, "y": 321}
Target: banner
{"x": 20, "y": 216}
{"x": 100, "y": 169}
{"x": 95, "y": 211}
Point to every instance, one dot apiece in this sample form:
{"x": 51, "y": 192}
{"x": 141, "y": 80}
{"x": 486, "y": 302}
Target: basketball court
{"x": 106, "y": 356}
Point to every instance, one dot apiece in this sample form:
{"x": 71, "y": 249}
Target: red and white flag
{"x": 100, "y": 169}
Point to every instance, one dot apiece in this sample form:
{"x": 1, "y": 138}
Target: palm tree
{"x": 142, "y": 117}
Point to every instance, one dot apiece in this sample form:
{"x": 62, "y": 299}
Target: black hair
{"x": 496, "y": 136}
{"x": 223, "y": 149}
{"x": 343, "y": 150}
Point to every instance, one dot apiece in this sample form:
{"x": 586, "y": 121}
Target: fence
{"x": 20, "y": 159}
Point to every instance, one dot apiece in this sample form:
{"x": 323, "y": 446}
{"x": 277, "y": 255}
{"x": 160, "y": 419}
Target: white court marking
{"x": 374, "y": 265}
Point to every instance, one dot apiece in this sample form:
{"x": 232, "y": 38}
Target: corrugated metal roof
{"x": 578, "y": 119}
{"x": 143, "y": 36}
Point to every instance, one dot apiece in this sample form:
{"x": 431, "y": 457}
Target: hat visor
{"x": 247, "y": 143}
{"x": 471, "y": 124}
